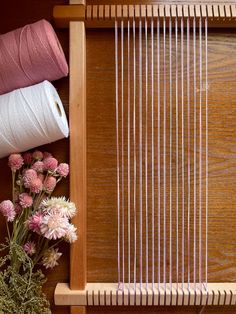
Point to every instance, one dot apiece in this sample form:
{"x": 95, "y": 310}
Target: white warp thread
{"x": 31, "y": 117}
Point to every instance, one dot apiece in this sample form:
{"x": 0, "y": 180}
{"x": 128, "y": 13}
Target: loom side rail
{"x": 78, "y": 182}
{"x": 107, "y": 294}
{"x": 103, "y": 16}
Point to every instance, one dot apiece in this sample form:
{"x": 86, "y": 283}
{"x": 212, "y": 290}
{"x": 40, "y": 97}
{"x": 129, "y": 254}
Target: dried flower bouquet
{"x": 36, "y": 222}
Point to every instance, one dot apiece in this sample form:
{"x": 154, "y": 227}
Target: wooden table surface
{"x": 101, "y": 156}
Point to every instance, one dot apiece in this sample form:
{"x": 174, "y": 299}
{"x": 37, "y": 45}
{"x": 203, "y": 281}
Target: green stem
{"x": 13, "y": 186}
{"x": 8, "y": 231}
{"x": 40, "y": 255}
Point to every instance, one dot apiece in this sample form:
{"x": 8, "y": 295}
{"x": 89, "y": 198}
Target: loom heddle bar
{"x": 103, "y": 16}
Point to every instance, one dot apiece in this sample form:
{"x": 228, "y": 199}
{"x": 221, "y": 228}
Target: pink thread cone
{"x": 37, "y": 56}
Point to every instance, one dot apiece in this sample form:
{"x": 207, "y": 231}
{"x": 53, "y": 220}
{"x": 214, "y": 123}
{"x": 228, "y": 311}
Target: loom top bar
{"x": 103, "y": 16}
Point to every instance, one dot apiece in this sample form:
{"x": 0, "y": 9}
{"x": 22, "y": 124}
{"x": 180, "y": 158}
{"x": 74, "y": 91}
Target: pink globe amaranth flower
{"x": 27, "y": 158}
{"x": 50, "y": 164}
{"x": 18, "y": 208}
{"x": 7, "y": 209}
{"x": 63, "y": 170}
{"x": 50, "y": 258}
{"x": 34, "y": 222}
{"x": 15, "y": 162}
{"x": 46, "y": 155}
{"x": 25, "y": 200}
{"x": 36, "y": 186}
{"x": 37, "y": 155}
{"x": 49, "y": 184}
{"x": 38, "y": 166}
{"x": 41, "y": 176}
{"x": 29, "y": 248}
{"x": 28, "y": 176}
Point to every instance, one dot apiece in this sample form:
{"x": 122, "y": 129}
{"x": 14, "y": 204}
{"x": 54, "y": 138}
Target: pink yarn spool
{"x": 30, "y": 55}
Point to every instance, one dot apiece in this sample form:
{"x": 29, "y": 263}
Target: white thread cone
{"x": 30, "y": 117}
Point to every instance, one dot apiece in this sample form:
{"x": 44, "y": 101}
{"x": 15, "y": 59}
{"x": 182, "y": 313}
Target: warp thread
{"x": 30, "y": 55}
{"x": 30, "y": 117}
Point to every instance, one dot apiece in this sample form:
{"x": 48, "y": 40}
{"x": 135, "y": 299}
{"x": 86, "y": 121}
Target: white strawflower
{"x": 71, "y": 235}
{"x": 50, "y": 258}
{"x": 60, "y": 206}
{"x": 54, "y": 226}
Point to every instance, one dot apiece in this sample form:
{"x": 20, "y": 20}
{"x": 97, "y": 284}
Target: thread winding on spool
{"x": 30, "y": 117}
{"x": 30, "y": 55}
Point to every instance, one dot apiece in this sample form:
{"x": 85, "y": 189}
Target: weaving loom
{"x": 160, "y": 122}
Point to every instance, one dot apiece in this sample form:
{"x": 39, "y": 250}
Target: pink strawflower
{"x": 36, "y": 185}
{"x": 50, "y": 164}
{"x": 15, "y": 162}
{"x": 54, "y": 227}
{"x": 27, "y": 158}
{"x": 46, "y": 155}
{"x": 18, "y": 208}
{"x": 51, "y": 257}
{"x": 63, "y": 170}
{"x": 7, "y": 209}
{"x": 28, "y": 176}
{"x": 37, "y": 155}
{"x": 59, "y": 206}
{"x": 49, "y": 184}
{"x": 34, "y": 222}
{"x": 71, "y": 235}
{"x": 38, "y": 166}
{"x": 29, "y": 248}
{"x": 25, "y": 200}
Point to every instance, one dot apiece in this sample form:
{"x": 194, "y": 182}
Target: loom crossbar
{"x": 106, "y": 294}
{"x": 103, "y": 16}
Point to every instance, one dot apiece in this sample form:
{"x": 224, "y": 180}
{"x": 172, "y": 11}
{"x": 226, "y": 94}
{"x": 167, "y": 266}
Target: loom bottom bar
{"x": 107, "y": 294}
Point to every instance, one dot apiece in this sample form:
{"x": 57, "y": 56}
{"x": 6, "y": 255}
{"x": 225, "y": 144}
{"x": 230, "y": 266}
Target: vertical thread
{"x": 195, "y": 155}
{"x": 200, "y": 153}
{"x": 152, "y": 140}
{"x": 158, "y": 153}
{"x": 177, "y": 150}
{"x": 206, "y": 78}
{"x": 146, "y": 146}
{"x": 182, "y": 133}
{"x": 164, "y": 152}
{"x": 170, "y": 60}
{"x": 140, "y": 151}
{"x": 117, "y": 150}
{"x": 189, "y": 134}
{"x": 134, "y": 147}
{"x": 122, "y": 154}
{"x": 128, "y": 104}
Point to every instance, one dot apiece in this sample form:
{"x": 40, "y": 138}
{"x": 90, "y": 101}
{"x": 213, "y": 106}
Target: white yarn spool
{"x": 31, "y": 117}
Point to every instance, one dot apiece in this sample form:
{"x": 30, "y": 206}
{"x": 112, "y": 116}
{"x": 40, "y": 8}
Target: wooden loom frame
{"x": 77, "y": 16}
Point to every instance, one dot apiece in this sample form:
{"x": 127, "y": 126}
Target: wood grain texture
{"x": 101, "y": 156}
{"x": 102, "y": 163}
{"x": 78, "y": 153}
{"x": 77, "y": 310}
